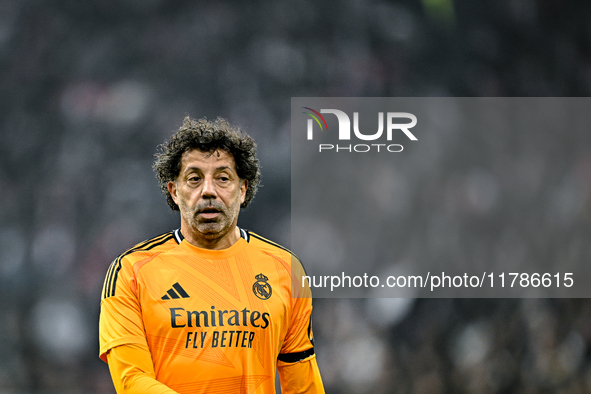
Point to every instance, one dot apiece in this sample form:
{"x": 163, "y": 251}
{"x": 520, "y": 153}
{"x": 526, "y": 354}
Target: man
{"x": 209, "y": 307}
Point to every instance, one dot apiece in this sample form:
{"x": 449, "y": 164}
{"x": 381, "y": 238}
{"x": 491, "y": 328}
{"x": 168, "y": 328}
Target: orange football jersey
{"x": 213, "y": 320}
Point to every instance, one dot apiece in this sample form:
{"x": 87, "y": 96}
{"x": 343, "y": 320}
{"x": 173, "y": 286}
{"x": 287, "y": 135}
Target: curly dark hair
{"x": 208, "y": 136}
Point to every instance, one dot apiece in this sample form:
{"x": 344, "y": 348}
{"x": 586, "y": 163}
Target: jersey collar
{"x": 178, "y": 236}
{"x": 214, "y": 254}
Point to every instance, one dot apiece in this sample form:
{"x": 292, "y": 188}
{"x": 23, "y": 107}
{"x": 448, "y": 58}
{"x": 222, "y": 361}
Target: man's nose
{"x": 209, "y": 189}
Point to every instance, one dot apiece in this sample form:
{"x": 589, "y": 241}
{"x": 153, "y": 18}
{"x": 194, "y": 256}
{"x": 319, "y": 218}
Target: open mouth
{"x": 209, "y": 212}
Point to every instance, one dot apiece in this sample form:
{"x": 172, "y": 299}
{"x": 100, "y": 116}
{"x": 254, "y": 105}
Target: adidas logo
{"x": 179, "y": 293}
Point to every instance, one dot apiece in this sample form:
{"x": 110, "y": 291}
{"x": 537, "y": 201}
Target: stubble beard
{"x": 210, "y": 228}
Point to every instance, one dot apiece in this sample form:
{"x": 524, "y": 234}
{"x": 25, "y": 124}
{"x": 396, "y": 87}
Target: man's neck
{"x": 223, "y": 242}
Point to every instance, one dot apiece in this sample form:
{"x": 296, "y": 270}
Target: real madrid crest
{"x": 261, "y": 288}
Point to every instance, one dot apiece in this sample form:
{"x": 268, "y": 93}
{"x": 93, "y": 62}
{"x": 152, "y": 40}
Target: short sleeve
{"x": 120, "y": 320}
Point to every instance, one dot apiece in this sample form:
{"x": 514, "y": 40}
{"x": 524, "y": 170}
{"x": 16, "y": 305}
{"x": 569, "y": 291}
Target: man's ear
{"x": 172, "y": 191}
{"x": 243, "y": 188}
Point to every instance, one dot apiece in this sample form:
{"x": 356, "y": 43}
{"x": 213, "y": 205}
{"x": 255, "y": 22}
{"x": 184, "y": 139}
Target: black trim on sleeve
{"x": 274, "y": 244}
{"x": 111, "y": 291}
{"x": 295, "y": 357}
{"x": 280, "y": 247}
{"x": 107, "y": 284}
{"x": 113, "y": 273}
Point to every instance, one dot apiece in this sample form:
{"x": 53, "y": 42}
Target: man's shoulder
{"x": 290, "y": 261}
{"x": 126, "y": 262}
{"x": 270, "y": 246}
{"x": 151, "y": 247}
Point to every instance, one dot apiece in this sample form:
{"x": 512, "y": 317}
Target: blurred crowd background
{"x": 90, "y": 88}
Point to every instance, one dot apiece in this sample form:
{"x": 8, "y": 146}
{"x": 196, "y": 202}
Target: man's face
{"x": 208, "y": 192}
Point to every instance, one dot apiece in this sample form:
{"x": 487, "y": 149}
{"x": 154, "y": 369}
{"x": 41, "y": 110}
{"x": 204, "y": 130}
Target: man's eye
{"x": 194, "y": 179}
